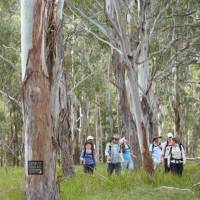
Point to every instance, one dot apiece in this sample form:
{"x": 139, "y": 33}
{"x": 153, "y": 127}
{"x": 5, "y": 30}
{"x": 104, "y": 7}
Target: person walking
{"x": 87, "y": 157}
{"x": 165, "y": 151}
{"x": 127, "y": 163}
{"x": 176, "y": 158}
{"x": 113, "y": 156}
{"x": 155, "y": 150}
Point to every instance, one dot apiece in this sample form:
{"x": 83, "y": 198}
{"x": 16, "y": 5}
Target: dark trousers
{"x": 114, "y": 166}
{"x": 167, "y": 169}
{"x": 88, "y": 169}
{"x": 176, "y": 168}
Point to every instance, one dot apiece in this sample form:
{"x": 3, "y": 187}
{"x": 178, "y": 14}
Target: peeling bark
{"x": 127, "y": 118}
{"x": 130, "y": 57}
{"x": 44, "y": 101}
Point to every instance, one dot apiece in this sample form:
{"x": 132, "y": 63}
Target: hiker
{"x": 127, "y": 155}
{"x": 87, "y": 158}
{"x": 176, "y": 158}
{"x": 114, "y": 156}
{"x": 165, "y": 151}
{"x": 155, "y": 150}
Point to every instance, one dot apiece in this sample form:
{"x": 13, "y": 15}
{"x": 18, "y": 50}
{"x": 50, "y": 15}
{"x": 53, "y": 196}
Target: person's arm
{"x": 107, "y": 152}
{"x": 163, "y": 150}
{"x": 82, "y": 157}
{"x": 150, "y": 149}
{"x": 183, "y": 155}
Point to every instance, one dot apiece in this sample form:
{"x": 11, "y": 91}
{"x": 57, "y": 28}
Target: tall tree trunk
{"x": 136, "y": 111}
{"x": 113, "y": 15}
{"x": 74, "y": 107}
{"x": 177, "y": 105}
{"x": 128, "y": 122}
{"x": 83, "y": 119}
{"x": 109, "y": 104}
{"x": 39, "y": 63}
{"x": 74, "y": 128}
{"x": 60, "y": 104}
{"x": 176, "y": 102}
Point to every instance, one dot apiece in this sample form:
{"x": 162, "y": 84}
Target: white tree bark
{"x": 27, "y": 7}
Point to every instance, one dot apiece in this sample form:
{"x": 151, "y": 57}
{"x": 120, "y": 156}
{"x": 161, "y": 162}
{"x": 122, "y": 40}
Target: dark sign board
{"x": 35, "y": 167}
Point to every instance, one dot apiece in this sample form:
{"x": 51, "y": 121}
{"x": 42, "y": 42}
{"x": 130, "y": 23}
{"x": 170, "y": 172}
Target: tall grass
{"x": 134, "y": 186}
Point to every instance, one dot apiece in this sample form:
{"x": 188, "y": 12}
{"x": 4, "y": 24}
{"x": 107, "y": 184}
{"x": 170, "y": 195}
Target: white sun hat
{"x": 89, "y": 137}
{"x": 170, "y": 135}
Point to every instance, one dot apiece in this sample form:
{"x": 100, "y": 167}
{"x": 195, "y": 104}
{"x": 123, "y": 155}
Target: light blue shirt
{"x": 127, "y": 153}
{"x": 156, "y": 151}
{"x": 114, "y": 151}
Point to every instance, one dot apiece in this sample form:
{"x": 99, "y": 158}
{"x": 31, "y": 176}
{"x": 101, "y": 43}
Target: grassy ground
{"x": 129, "y": 186}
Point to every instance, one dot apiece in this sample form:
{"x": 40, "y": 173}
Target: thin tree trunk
{"x": 101, "y": 149}
{"x": 84, "y": 119}
{"x": 97, "y": 129}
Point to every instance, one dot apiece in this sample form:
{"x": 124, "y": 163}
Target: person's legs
{"x": 167, "y": 169}
{"x": 156, "y": 164}
{"x": 180, "y": 169}
{"x": 117, "y": 168}
{"x": 173, "y": 168}
{"x": 91, "y": 169}
{"x": 110, "y": 168}
{"x": 130, "y": 165}
{"x": 86, "y": 169}
{"x": 124, "y": 165}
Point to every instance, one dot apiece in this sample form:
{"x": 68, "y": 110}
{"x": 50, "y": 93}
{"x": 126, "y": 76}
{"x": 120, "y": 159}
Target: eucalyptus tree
{"x": 46, "y": 118}
{"x": 176, "y": 37}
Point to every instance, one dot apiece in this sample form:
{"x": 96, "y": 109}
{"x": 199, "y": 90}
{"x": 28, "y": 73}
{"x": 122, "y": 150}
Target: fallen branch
{"x": 174, "y": 188}
{"x": 195, "y": 185}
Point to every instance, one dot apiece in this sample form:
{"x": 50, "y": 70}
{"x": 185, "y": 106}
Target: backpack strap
{"x": 109, "y": 150}
{"x": 84, "y": 152}
{"x": 181, "y": 148}
{"x": 170, "y": 152}
{"x": 152, "y": 148}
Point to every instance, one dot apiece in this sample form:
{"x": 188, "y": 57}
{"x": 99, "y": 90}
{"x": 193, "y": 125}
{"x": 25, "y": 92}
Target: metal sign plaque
{"x": 35, "y": 167}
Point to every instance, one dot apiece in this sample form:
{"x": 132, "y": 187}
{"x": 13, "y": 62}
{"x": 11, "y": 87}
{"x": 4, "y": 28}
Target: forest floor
{"x": 129, "y": 186}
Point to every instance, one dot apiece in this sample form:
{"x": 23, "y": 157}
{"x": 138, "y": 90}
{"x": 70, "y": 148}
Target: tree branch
{"x": 8, "y": 61}
{"x": 76, "y": 10}
{"x": 4, "y": 94}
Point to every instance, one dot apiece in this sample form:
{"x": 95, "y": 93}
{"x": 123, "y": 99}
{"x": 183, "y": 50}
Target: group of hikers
{"x": 119, "y": 155}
